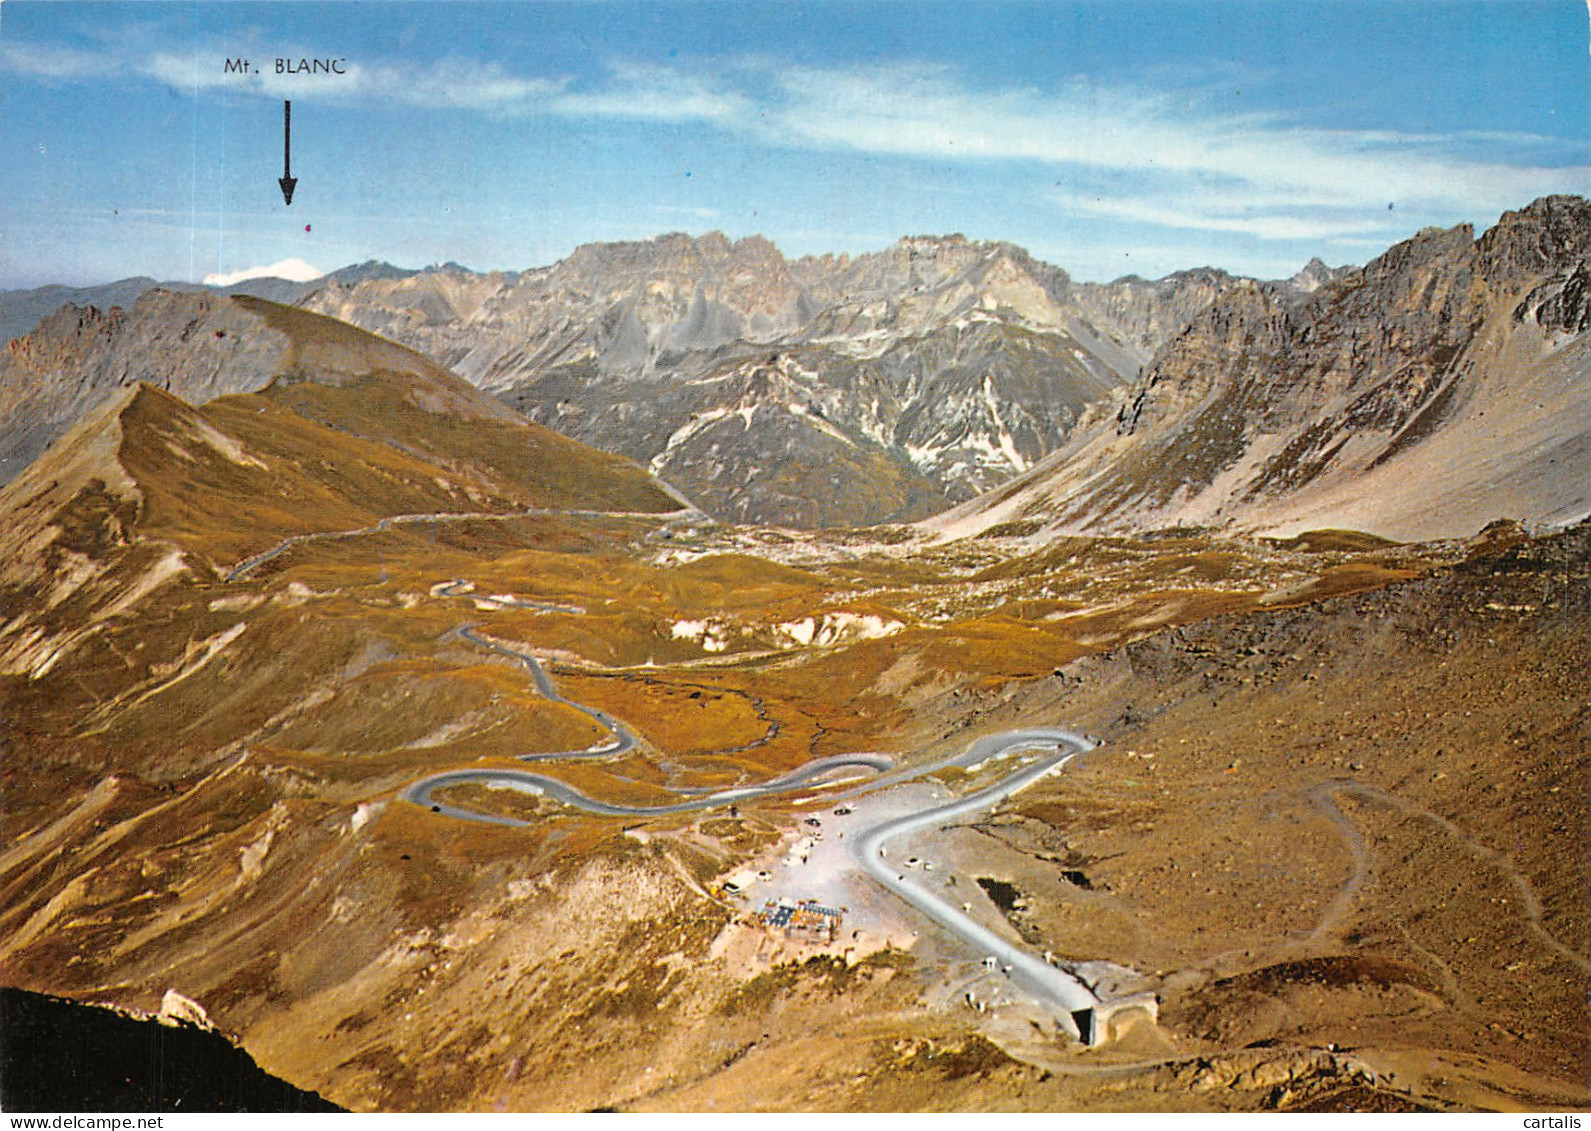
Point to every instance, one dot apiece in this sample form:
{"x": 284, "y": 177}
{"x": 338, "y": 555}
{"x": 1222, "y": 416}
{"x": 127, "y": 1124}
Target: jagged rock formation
{"x": 817, "y": 391}
{"x": 823, "y": 390}
{"x": 22, "y": 311}
{"x": 1148, "y": 314}
{"x": 1315, "y": 274}
{"x": 1439, "y": 387}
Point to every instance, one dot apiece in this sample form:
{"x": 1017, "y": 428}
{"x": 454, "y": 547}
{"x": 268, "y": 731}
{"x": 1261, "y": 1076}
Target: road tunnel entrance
{"x": 1084, "y": 1019}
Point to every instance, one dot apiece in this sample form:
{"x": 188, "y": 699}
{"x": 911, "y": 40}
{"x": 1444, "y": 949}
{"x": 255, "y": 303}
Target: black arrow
{"x": 288, "y": 181}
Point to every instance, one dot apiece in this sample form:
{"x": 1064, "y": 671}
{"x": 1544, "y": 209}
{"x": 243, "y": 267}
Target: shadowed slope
{"x": 59, "y": 1055}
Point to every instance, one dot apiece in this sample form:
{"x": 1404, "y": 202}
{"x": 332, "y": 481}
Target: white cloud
{"x": 656, "y": 94}
{"x": 47, "y": 61}
{"x": 1145, "y": 136}
{"x": 1276, "y": 225}
{"x": 459, "y": 84}
{"x": 682, "y": 210}
{"x": 627, "y": 90}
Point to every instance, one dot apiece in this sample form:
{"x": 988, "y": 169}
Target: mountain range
{"x": 960, "y": 382}
{"x": 819, "y": 391}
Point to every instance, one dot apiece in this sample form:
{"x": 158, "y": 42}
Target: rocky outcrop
{"x": 1148, "y": 313}
{"x": 1315, "y": 274}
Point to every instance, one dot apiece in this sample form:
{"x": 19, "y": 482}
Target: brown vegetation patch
{"x": 973, "y": 1056}
{"x": 822, "y": 974}
{"x": 1333, "y": 541}
{"x": 1334, "y": 971}
{"x": 1361, "y": 1100}
{"x": 678, "y": 716}
{"x": 741, "y": 836}
{"x": 525, "y": 460}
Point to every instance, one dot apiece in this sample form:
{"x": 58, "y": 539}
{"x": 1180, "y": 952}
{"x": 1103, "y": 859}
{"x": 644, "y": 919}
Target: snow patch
{"x": 294, "y": 270}
{"x": 710, "y": 633}
{"x": 832, "y": 628}
{"x": 818, "y": 422}
{"x": 364, "y": 813}
{"x": 699, "y": 422}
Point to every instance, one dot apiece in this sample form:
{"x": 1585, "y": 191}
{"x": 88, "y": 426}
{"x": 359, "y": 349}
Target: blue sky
{"x": 1108, "y": 138}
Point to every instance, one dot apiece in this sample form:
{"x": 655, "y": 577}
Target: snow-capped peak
{"x": 293, "y": 270}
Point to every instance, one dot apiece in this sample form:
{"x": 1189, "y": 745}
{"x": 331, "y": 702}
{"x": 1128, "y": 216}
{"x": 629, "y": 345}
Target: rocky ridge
{"x": 21, "y": 311}
{"x": 190, "y": 341}
{"x": 826, "y": 390}
{"x": 196, "y": 346}
{"x": 1441, "y": 386}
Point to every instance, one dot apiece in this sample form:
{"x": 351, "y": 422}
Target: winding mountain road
{"x": 1052, "y": 986}
{"x": 525, "y": 781}
{"x": 249, "y": 565}
{"x": 621, "y": 741}
{"x": 1049, "y": 984}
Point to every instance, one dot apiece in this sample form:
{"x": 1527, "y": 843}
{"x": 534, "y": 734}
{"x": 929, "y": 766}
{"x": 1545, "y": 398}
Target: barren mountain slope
{"x": 148, "y": 490}
{"x": 1356, "y": 825}
{"x": 196, "y": 345}
{"x": 1443, "y": 385}
{"x": 226, "y": 823}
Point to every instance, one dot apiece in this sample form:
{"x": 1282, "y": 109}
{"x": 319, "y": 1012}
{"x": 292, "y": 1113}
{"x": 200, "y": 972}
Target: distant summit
{"x": 293, "y": 270}
{"x": 22, "y": 311}
{"x": 1315, "y": 274}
